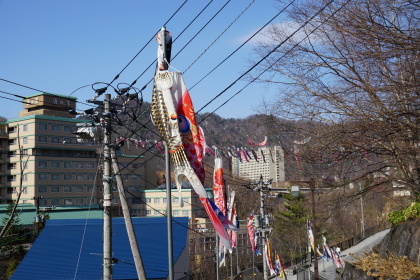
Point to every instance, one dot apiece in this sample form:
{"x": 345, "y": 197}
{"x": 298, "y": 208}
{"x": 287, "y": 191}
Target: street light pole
{"x": 312, "y": 187}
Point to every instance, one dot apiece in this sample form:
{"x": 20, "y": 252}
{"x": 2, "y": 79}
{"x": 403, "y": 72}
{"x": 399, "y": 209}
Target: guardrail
{"x": 344, "y": 244}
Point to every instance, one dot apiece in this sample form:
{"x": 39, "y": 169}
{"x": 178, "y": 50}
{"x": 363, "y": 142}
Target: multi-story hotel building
{"x": 269, "y": 164}
{"x": 42, "y": 158}
{"x": 46, "y": 158}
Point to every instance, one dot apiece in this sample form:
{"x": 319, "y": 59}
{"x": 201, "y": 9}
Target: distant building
{"x": 155, "y": 202}
{"x": 269, "y": 164}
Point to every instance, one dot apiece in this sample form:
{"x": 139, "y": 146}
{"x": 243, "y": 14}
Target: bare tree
{"x": 353, "y": 72}
{"x": 22, "y": 167}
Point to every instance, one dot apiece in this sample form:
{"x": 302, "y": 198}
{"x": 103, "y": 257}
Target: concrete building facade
{"x": 269, "y": 164}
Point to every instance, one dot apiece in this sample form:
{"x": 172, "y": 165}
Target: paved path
{"x": 327, "y": 269}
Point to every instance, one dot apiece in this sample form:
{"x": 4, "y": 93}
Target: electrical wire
{"x": 252, "y": 36}
{"x": 202, "y": 28}
{"x": 234, "y": 179}
{"x": 150, "y": 65}
{"x": 268, "y": 54}
{"x": 282, "y": 56}
{"x": 218, "y": 37}
{"x": 125, "y": 67}
{"x": 23, "y": 97}
{"x": 22, "y": 85}
{"x": 86, "y": 221}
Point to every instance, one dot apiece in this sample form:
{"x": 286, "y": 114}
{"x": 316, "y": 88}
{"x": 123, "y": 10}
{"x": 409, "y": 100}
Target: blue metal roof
{"x": 66, "y": 250}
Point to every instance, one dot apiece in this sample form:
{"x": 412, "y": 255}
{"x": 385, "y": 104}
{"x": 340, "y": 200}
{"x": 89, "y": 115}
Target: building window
{"x": 67, "y": 128}
{"x": 43, "y": 126}
{"x": 25, "y": 128}
{"x": 165, "y": 200}
{"x": 157, "y": 213}
{"x": 42, "y": 189}
{"x": 55, "y": 164}
{"x": 25, "y": 177}
{"x": 55, "y": 139}
{"x": 79, "y": 164}
{"x": 148, "y": 212}
{"x": 11, "y": 142}
{"x": 42, "y": 164}
{"x": 175, "y": 212}
{"x": 79, "y": 201}
{"x": 55, "y": 177}
{"x": 11, "y": 154}
{"x": 43, "y": 139}
{"x": 148, "y": 200}
{"x": 79, "y": 188}
{"x": 55, "y": 189}
{"x": 185, "y": 199}
{"x": 134, "y": 177}
{"x": 11, "y": 178}
{"x": 67, "y": 164}
{"x": 68, "y": 201}
{"x": 90, "y": 177}
{"x": 11, "y": 166}
{"x": 25, "y": 140}
{"x": 185, "y": 213}
{"x": 42, "y": 176}
{"x": 67, "y": 189}
{"x": 90, "y": 189}
{"x": 55, "y": 127}
{"x": 55, "y": 201}
{"x": 135, "y": 189}
{"x": 156, "y": 200}
{"x": 67, "y": 177}
{"x": 90, "y": 165}
{"x": 175, "y": 200}
{"x": 79, "y": 177}
{"x": 25, "y": 152}
{"x": 67, "y": 140}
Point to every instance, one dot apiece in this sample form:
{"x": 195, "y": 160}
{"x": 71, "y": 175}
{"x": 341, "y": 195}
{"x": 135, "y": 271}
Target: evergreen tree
{"x": 290, "y": 227}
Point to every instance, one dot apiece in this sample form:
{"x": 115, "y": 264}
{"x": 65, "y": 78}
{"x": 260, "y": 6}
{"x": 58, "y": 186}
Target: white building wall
{"x": 269, "y": 164}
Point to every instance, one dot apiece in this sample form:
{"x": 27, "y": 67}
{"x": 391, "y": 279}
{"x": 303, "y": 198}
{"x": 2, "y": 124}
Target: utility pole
{"x": 107, "y": 233}
{"x": 169, "y": 213}
{"x": 262, "y": 186}
{"x": 37, "y": 216}
{"x": 127, "y": 218}
{"x": 312, "y": 187}
{"x": 262, "y": 230}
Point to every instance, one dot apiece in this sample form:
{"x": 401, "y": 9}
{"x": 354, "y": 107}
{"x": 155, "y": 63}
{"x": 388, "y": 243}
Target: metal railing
{"x": 343, "y": 245}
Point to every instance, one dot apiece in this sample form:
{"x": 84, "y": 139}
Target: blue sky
{"x": 59, "y": 46}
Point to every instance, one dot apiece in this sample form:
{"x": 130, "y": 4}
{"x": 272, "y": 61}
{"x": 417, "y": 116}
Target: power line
{"x": 22, "y": 85}
{"x": 218, "y": 37}
{"x": 268, "y": 54}
{"x": 185, "y": 45}
{"x": 253, "y": 35}
{"x": 271, "y": 65}
{"x": 234, "y": 179}
{"x": 118, "y": 75}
